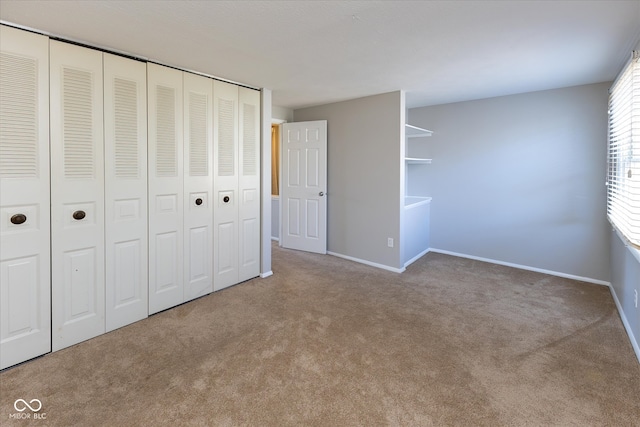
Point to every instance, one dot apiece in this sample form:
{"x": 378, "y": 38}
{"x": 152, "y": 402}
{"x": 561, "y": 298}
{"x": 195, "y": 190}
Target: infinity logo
{"x": 26, "y": 405}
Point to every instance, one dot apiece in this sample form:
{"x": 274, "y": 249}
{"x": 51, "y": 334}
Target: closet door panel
{"x": 225, "y": 184}
{"x": 25, "y": 298}
{"x": 198, "y": 186}
{"x": 165, "y": 132}
{"x": 249, "y": 184}
{"x": 77, "y": 194}
{"x": 125, "y": 131}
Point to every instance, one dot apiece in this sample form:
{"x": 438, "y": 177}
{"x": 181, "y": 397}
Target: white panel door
{"x": 166, "y": 286}
{"x": 198, "y": 186}
{"x": 225, "y": 184}
{"x": 303, "y": 198}
{"x": 77, "y": 194}
{"x": 125, "y": 139}
{"x": 25, "y": 299}
{"x": 249, "y": 184}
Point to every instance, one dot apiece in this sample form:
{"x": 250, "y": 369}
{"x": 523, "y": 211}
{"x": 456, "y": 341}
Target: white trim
{"x": 267, "y": 274}
{"x": 277, "y": 239}
{"x": 625, "y": 322}
{"x": 417, "y": 257}
{"x": 524, "y": 267}
{"x": 277, "y": 121}
{"x": 369, "y": 263}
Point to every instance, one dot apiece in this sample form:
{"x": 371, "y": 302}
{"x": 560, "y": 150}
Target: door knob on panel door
{"x": 78, "y": 215}
{"x": 198, "y": 201}
{"x": 321, "y": 193}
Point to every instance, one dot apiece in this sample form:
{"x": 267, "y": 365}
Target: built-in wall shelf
{"x": 417, "y": 161}
{"x": 411, "y": 131}
{"x": 416, "y": 207}
{"x": 415, "y": 201}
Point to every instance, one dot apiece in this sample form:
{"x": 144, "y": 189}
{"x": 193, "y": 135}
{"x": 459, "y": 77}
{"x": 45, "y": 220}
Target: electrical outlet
{"x": 390, "y": 243}
{"x": 635, "y": 297}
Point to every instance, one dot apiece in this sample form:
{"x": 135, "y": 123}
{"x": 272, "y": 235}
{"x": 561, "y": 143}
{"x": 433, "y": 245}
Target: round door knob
{"x": 198, "y": 201}
{"x": 321, "y": 193}
{"x": 78, "y": 215}
{"x": 18, "y": 219}
{"x": 226, "y": 199}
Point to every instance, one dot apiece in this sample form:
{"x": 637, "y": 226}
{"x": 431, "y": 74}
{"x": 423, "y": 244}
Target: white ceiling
{"x": 315, "y": 52}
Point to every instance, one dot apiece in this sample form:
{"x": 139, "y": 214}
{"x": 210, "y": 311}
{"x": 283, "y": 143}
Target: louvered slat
{"x": 226, "y": 156}
{"x": 166, "y": 161}
{"x": 198, "y": 155}
{"x": 18, "y": 116}
{"x": 126, "y": 128}
{"x": 249, "y": 143}
{"x": 77, "y": 123}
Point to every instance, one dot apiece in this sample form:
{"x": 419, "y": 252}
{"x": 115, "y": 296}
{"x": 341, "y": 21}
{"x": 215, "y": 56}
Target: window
{"x": 623, "y": 176}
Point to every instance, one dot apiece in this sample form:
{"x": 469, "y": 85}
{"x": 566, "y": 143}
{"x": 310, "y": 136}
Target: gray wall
{"x": 625, "y": 278}
{"x": 282, "y": 113}
{"x": 520, "y": 179}
{"x": 364, "y": 202}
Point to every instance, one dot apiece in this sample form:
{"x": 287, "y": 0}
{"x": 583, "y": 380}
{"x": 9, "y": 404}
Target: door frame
{"x": 279, "y": 122}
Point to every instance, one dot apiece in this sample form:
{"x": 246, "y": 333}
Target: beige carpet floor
{"x": 328, "y": 342}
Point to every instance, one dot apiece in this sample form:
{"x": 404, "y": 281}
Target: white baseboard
{"x": 625, "y": 322}
{"x": 524, "y": 267}
{"x": 275, "y": 238}
{"x": 415, "y": 258}
{"x": 372, "y": 264}
{"x": 267, "y": 274}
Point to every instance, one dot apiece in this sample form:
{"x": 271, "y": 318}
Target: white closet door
{"x": 249, "y": 184}
{"x": 198, "y": 186}
{"x": 125, "y": 139}
{"x": 77, "y": 194}
{"x": 225, "y": 184}
{"x": 25, "y": 317}
{"x": 166, "y": 286}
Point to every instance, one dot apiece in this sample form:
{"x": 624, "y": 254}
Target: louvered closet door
{"x": 77, "y": 194}
{"x": 225, "y": 184}
{"x": 249, "y": 184}
{"x": 25, "y": 316}
{"x": 198, "y": 186}
{"x": 164, "y": 91}
{"x": 125, "y": 139}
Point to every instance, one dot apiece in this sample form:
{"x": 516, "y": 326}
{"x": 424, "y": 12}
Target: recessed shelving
{"x": 417, "y": 161}
{"x": 415, "y": 201}
{"x": 416, "y": 205}
{"x": 411, "y": 131}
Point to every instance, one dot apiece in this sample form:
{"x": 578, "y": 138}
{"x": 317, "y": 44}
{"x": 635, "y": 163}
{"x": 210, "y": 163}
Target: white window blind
{"x": 623, "y": 176}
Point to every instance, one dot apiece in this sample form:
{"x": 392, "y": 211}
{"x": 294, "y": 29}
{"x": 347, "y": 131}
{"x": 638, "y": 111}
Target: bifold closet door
{"x": 125, "y": 139}
{"x": 165, "y": 160}
{"x": 249, "y": 184}
{"x": 25, "y": 316}
{"x": 77, "y": 194}
{"x": 225, "y": 184}
{"x": 198, "y": 186}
